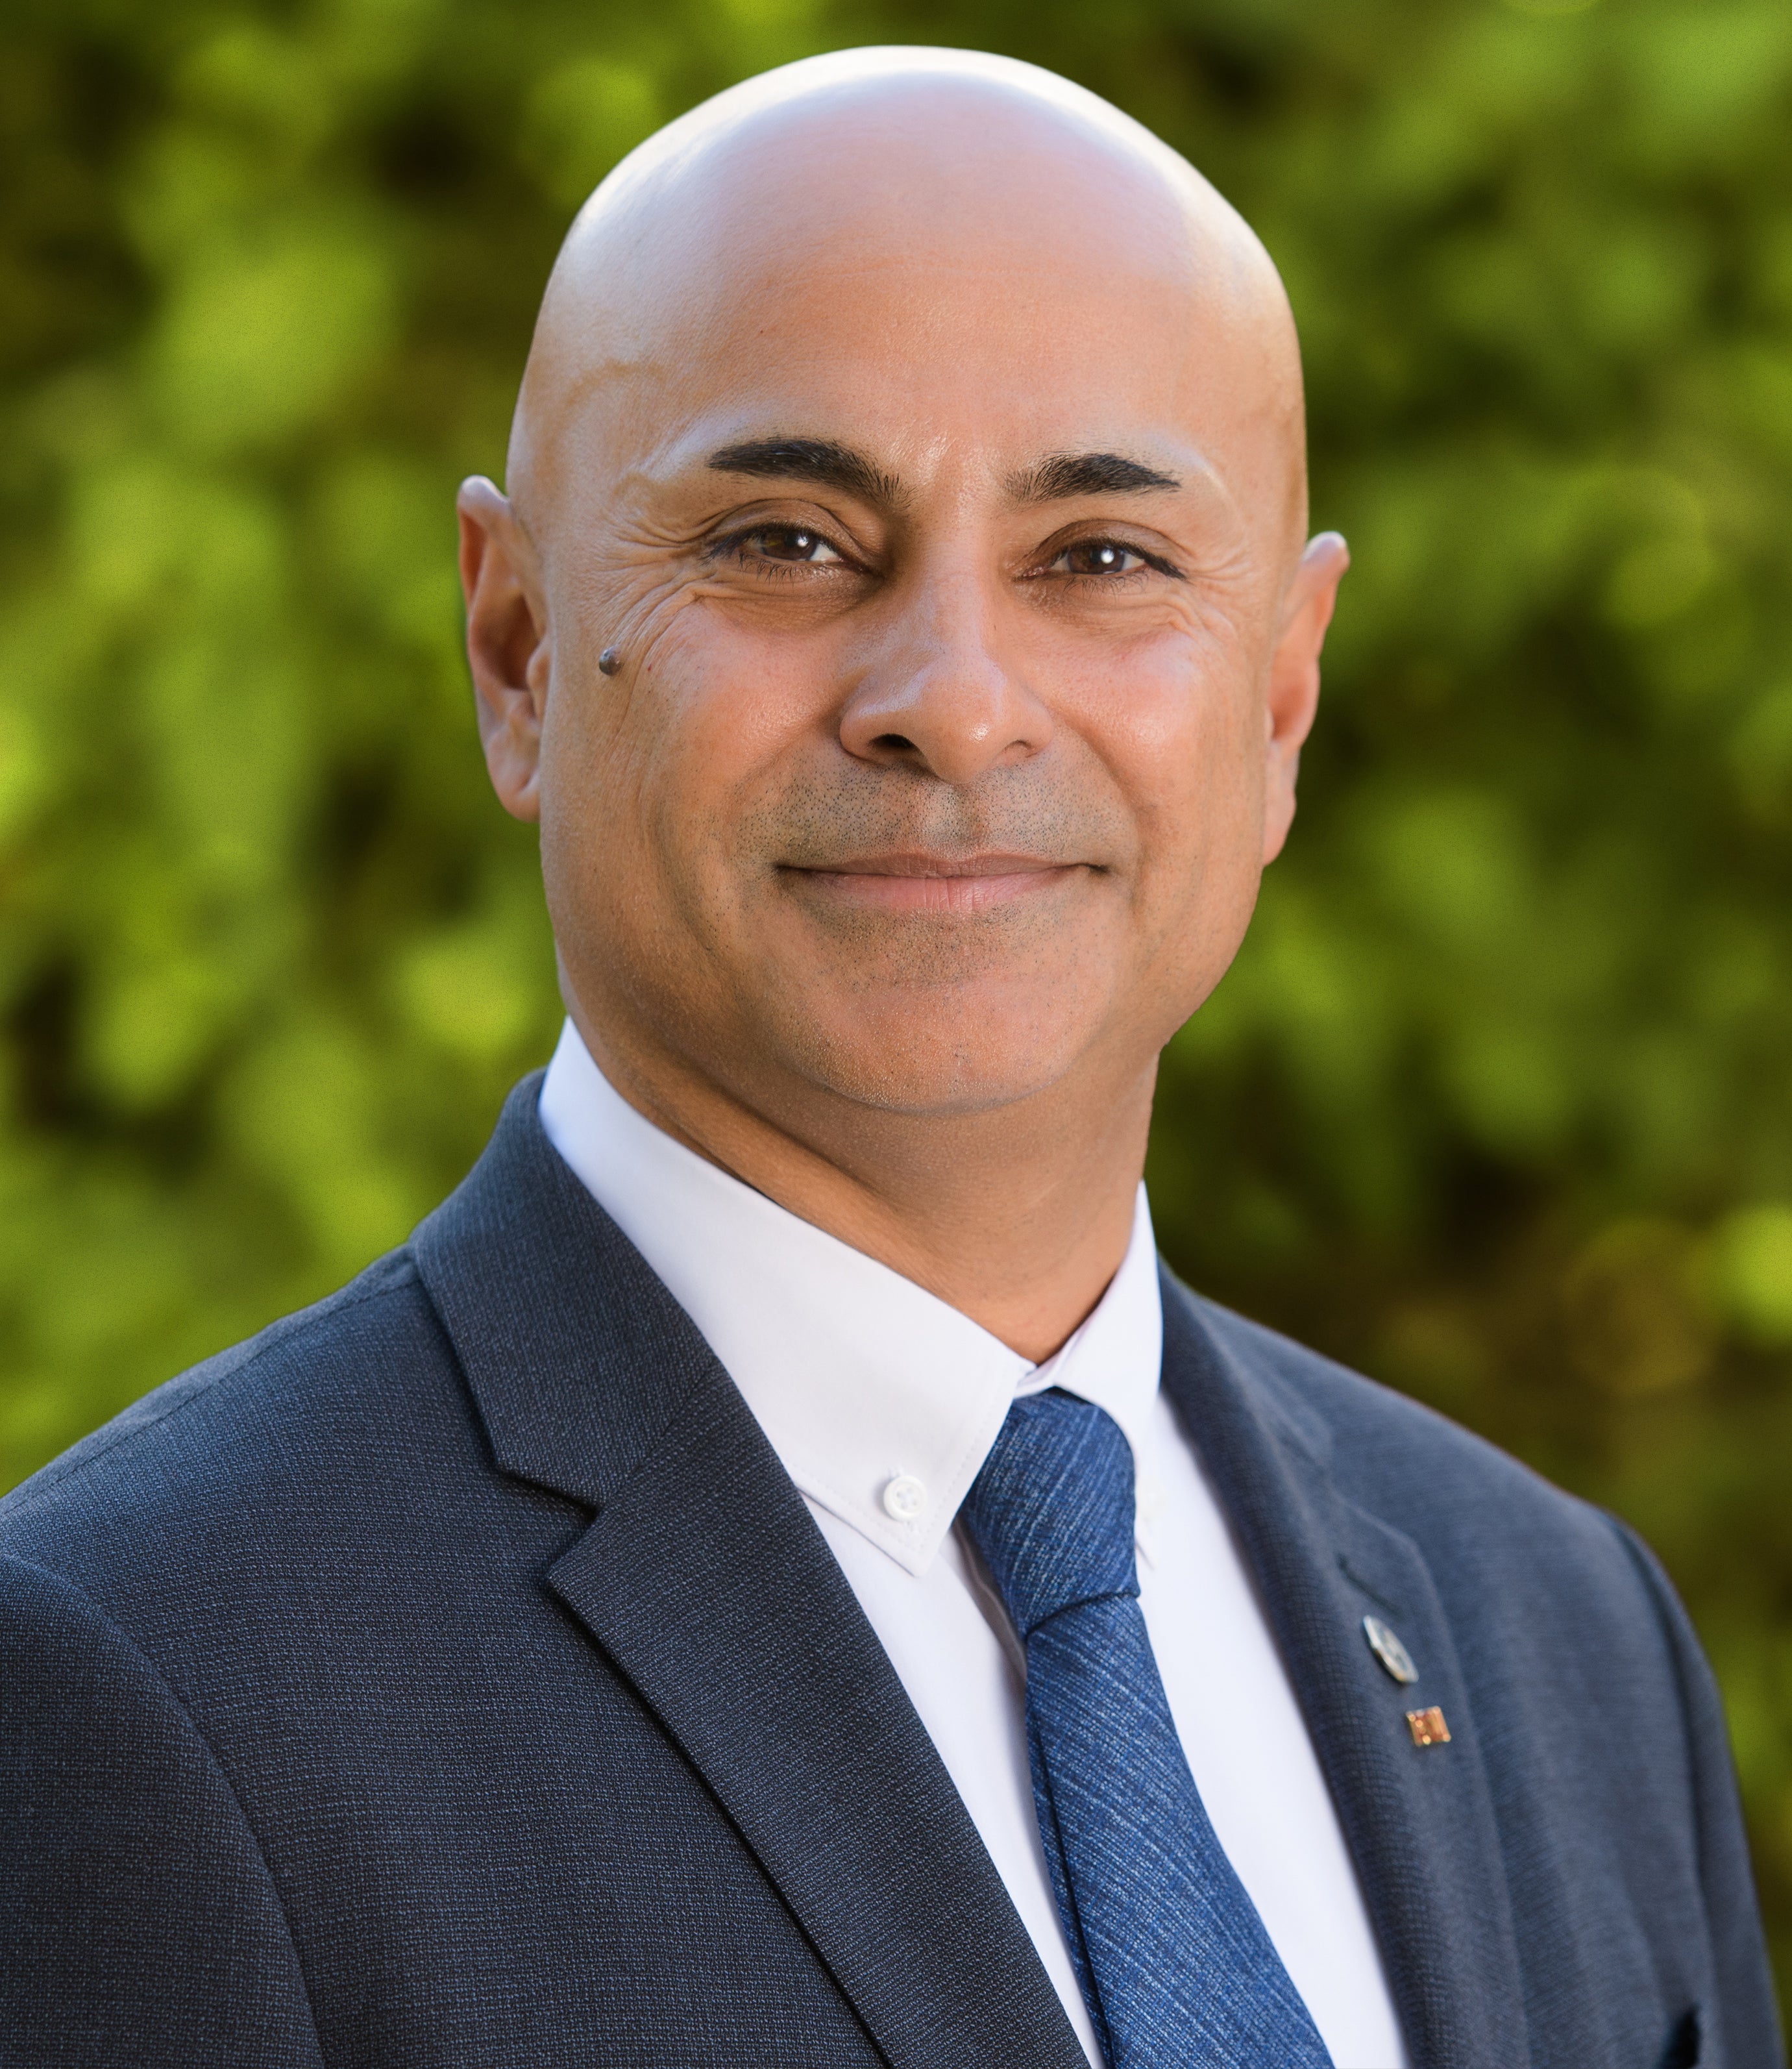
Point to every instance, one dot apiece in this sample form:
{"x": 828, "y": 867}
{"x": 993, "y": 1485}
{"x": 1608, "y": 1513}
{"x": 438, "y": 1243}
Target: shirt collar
{"x": 860, "y": 1378}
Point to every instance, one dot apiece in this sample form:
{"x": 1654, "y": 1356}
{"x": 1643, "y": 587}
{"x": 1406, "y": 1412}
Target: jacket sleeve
{"x": 1742, "y": 2028}
{"x": 138, "y": 1920}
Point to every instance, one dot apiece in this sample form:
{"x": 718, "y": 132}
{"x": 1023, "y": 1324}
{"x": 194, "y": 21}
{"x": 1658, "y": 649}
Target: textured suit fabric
{"x": 1175, "y": 1966}
{"x": 451, "y": 1675}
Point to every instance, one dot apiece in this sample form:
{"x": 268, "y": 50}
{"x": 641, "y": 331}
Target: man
{"x": 688, "y": 1606}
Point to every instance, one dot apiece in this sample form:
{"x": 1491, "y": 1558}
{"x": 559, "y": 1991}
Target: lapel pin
{"x": 1389, "y": 1651}
{"x": 1427, "y": 1727}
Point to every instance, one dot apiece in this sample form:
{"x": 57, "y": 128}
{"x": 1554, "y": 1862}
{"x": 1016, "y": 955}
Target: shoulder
{"x": 1484, "y": 1520}
{"x": 309, "y": 1414}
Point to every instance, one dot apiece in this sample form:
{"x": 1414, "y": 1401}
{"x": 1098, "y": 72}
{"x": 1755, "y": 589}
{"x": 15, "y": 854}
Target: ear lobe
{"x": 506, "y": 641}
{"x": 1293, "y": 693}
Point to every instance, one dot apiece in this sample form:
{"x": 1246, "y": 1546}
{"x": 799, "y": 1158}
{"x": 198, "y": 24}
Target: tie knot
{"x": 1052, "y": 1510}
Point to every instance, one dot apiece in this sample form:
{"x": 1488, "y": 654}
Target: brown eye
{"x": 1099, "y": 556}
{"x": 790, "y": 542}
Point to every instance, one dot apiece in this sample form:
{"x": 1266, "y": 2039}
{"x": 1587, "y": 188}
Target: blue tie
{"x": 1174, "y": 1961}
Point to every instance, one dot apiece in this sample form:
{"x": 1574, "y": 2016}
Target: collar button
{"x": 905, "y": 1497}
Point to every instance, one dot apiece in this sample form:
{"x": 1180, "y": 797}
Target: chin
{"x": 926, "y": 1054}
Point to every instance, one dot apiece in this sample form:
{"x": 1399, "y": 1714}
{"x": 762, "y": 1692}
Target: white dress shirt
{"x": 882, "y": 1403}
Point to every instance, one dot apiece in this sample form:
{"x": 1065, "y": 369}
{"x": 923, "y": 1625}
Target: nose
{"x": 937, "y": 696}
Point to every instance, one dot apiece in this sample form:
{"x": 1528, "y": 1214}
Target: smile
{"x": 926, "y": 885}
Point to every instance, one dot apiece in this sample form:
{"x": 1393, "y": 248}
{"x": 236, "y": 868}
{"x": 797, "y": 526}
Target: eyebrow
{"x": 1087, "y": 474}
{"x": 829, "y": 464}
{"x": 823, "y": 461}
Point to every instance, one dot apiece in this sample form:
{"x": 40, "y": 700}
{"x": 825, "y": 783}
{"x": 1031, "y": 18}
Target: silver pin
{"x": 1389, "y": 1651}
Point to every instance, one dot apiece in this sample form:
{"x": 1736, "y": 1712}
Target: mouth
{"x": 918, "y": 883}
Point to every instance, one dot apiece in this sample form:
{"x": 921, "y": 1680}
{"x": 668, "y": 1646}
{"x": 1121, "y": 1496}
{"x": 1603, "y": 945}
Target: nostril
{"x": 894, "y": 743}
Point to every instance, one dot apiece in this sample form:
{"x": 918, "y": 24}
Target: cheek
{"x": 1179, "y": 730}
{"x": 697, "y": 726}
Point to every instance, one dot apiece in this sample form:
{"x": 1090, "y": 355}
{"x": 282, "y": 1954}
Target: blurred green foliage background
{"x": 1497, "y": 1103}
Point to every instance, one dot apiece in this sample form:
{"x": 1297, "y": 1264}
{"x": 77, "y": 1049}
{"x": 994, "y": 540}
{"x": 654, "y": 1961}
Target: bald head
{"x": 916, "y": 185}
{"x": 900, "y": 627}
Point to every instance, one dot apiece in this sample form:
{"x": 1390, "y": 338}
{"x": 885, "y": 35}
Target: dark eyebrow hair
{"x": 1087, "y": 474}
{"x": 823, "y": 461}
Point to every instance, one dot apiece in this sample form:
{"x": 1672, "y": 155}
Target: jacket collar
{"x": 1418, "y": 1823}
{"x": 705, "y": 1582}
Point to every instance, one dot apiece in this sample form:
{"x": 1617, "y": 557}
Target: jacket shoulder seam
{"x": 275, "y": 1336}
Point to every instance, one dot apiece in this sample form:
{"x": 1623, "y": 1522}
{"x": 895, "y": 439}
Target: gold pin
{"x": 1427, "y": 1727}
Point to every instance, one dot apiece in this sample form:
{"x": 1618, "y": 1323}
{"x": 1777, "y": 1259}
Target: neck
{"x": 1017, "y": 1216}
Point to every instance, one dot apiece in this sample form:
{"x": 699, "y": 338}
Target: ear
{"x": 506, "y": 641}
{"x": 1294, "y": 678}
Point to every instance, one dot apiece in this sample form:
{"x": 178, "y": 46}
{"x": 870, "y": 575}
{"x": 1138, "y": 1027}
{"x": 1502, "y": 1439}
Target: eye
{"x": 793, "y": 545}
{"x": 1100, "y": 556}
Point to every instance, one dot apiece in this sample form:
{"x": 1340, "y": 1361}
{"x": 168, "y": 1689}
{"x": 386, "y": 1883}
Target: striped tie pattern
{"x": 1174, "y": 1963}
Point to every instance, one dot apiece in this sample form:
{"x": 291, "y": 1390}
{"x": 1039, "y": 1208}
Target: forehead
{"x": 919, "y": 235}
{"x": 921, "y": 366}
{"x": 922, "y": 278}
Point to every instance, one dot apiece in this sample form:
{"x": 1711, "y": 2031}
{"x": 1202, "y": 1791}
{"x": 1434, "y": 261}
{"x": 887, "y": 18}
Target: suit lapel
{"x": 1418, "y": 1821}
{"x": 764, "y": 1669}
{"x": 706, "y": 1584}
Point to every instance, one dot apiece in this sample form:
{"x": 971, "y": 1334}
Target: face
{"x": 943, "y": 532}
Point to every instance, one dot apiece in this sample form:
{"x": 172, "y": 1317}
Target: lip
{"x": 925, "y": 884}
